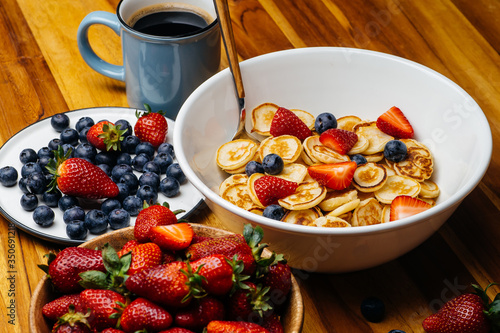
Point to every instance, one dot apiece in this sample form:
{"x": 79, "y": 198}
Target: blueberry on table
{"x": 67, "y": 201}
{"x": 373, "y": 309}
{"x": 76, "y": 230}
{"x": 8, "y": 176}
{"x": 359, "y": 159}
{"x": 29, "y": 201}
{"x": 132, "y": 205}
{"x": 175, "y": 171}
{"x": 119, "y": 218}
{"x": 28, "y": 155}
{"x": 96, "y": 221}
{"x": 395, "y": 151}
{"x": 130, "y": 143}
{"x": 170, "y": 187}
{"x": 275, "y": 212}
{"x": 84, "y": 122}
{"x": 51, "y": 198}
{"x": 253, "y": 167}
{"x": 43, "y": 215}
{"x": 150, "y": 178}
{"x": 73, "y": 214}
{"x": 146, "y": 148}
{"x": 148, "y": 194}
{"x": 163, "y": 160}
{"x": 325, "y": 121}
{"x": 166, "y": 147}
{"x": 59, "y": 122}
{"x": 273, "y": 164}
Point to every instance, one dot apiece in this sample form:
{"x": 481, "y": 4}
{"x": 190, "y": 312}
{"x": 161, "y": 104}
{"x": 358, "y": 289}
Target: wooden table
{"x": 42, "y": 73}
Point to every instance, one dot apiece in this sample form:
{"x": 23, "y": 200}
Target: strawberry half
{"x": 336, "y": 176}
{"x": 403, "y": 206}
{"x": 338, "y": 139}
{"x": 270, "y": 189}
{"x": 393, "y": 122}
{"x": 285, "y": 122}
{"x": 173, "y": 237}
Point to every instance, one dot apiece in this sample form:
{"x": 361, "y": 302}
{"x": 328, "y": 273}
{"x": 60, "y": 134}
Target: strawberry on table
{"x": 151, "y": 127}
{"x": 220, "y": 326}
{"x": 152, "y": 216}
{"x": 199, "y": 313}
{"x": 403, "y": 206}
{"x": 172, "y": 237}
{"x": 142, "y": 314}
{"x": 338, "y": 139}
{"x": 285, "y": 122}
{"x": 393, "y": 122}
{"x": 269, "y": 189}
{"x": 105, "y": 306}
{"x": 336, "y": 176}
{"x": 105, "y": 136}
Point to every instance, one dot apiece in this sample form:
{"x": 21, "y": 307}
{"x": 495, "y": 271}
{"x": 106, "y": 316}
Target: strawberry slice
{"x": 336, "y": 176}
{"x": 172, "y": 237}
{"x": 338, "y": 139}
{"x": 393, "y": 122}
{"x": 270, "y": 189}
{"x": 403, "y": 206}
{"x": 285, "y": 122}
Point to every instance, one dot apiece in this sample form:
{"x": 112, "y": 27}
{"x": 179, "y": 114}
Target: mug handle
{"x": 91, "y": 58}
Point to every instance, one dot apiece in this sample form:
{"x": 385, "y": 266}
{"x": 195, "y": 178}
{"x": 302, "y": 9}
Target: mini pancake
{"x": 397, "y": 185}
{"x": 368, "y": 212}
{"x": 302, "y": 217}
{"x": 288, "y": 147}
{"x": 306, "y": 196}
{"x": 369, "y": 177}
{"x": 236, "y": 154}
{"x": 330, "y": 222}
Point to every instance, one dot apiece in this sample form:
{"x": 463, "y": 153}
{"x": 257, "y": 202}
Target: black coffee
{"x": 170, "y": 23}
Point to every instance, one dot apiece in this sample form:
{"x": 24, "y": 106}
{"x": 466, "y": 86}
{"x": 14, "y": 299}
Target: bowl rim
{"x": 453, "y": 199}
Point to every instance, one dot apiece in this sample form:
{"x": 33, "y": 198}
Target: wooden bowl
{"x": 292, "y": 319}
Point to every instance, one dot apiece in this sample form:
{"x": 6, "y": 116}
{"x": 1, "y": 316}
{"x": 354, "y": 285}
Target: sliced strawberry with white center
{"x": 338, "y": 139}
{"x": 285, "y": 122}
{"x": 403, "y": 206}
{"x": 336, "y": 176}
{"x": 393, "y": 122}
{"x": 270, "y": 189}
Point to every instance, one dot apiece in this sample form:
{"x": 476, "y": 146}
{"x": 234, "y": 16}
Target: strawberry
{"x": 272, "y": 323}
{"x": 104, "y": 306}
{"x": 338, "y": 139}
{"x": 467, "y": 313}
{"x": 143, "y": 256}
{"x": 60, "y": 306}
{"x": 403, "y": 206}
{"x": 199, "y": 313}
{"x": 65, "y": 267}
{"x": 216, "y": 272}
{"x": 80, "y": 178}
{"x": 176, "y": 330}
{"x": 70, "y": 328}
{"x": 127, "y": 247}
{"x": 142, "y": 314}
{"x": 152, "y": 216}
{"x": 105, "y": 136}
{"x": 393, "y": 122}
{"x": 336, "y": 176}
{"x": 151, "y": 127}
{"x": 172, "y": 237}
{"x": 112, "y": 330}
{"x": 248, "y": 302}
{"x": 279, "y": 281}
{"x": 163, "y": 284}
{"x": 72, "y": 322}
{"x": 285, "y": 122}
{"x": 219, "y": 326}
{"x": 270, "y": 189}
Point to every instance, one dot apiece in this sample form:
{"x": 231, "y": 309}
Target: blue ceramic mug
{"x": 161, "y": 67}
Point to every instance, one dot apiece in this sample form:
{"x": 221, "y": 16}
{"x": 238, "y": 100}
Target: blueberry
{"x": 132, "y": 205}
{"x": 106, "y": 168}
{"x": 130, "y": 143}
{"x": 109, "y": 204}
{"x": 166, "y": 147}
{"x": 123, "y": 191}
{"x": 28, "y": 155}
{"x": 124, "y": 125}
{"x": 66, "y": 202}
{"x": 151, "y": 167}
{"x": 84, "y": 122}
{"x": 70, "y": 135}
{"x": 119, "y": 218}
{"x": 131, "y": 180}
{"x": 29, "y": 201}
{"x": 359, "y": 159}
{"x": 30, "y": 167}
{"x": 104, "y": 157}
{"x": 275, "y": 212}
{"x": 170, "y": 187}
{"x": 74, "y": 213}
{"x": 43, "y": 162}
{"x": 163, "y": 161}
{"x": 174, "y": 170}
{"x": 325, "y": 121}
{"x": 396, "y": 331}
{"x": 139, "y": 160}
{"x": 119, "y": 170}
{"x": 68, "y": 148}
{"x": 54, "y": 144}
{"x": 148, "y": 194}
{"x": 85, "y": 150}
{"x": 253, "y": 167}
{"x": 22, "y": 185}
{"x": 8, "y": 176}
{"x": 36, "y": 183}
{"x": 45, "y": 151}
{"x": 96, "y": 221}
{"x": 51, "y": 198}
{"x": 150, "y": 178}
{"x": 124, "y": 158}
{"x": 273, "y": 164}
{"x": 395, "y": 151}
{"x": 373, "y": 309}
{"x": 59, "y": 121}
{"x": 76, "y": 230}
{"x": 146, "y": 148}
{"x": 43, "y": 215}
{"x": 83, "y": 135}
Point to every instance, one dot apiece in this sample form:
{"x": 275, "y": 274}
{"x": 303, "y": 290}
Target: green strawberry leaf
{"x": 94, "y": 280}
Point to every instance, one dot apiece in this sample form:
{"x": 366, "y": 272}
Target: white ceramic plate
{"x": 37, "y": 136}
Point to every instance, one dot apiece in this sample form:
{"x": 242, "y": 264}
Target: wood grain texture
{"x": 42, "y": 73}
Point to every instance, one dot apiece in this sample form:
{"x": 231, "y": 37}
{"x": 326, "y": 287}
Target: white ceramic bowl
{"x": 345, "y": 82}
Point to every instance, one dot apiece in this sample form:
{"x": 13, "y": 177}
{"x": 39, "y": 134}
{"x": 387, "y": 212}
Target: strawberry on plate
{"x": 393, "y": 122}
{"x": 173, "y": 237}
{"x": 338, "y": 139}
{"x": 337, "y": 176}
{"x": 270, "y": 189}
{"x": 403, "y": 206}
{"x": 285, "y": 122}
{"x": 105, "y": 136}
{"x": 151, "y": 127}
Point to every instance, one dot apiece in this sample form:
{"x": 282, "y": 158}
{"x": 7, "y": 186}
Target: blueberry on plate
{"x": 123, "y": 191}
{"x": 119, "y": 170}
{"x": 44, "y": 161}
{"x": 104, "y": 157}
{"x": 51, "y": 198}
{"x": 54, "y": 144}
{"x": 396, "y": 331}
{"x": 43, "y": 215}
{"x": 70, "y": 135}
{"x": 96, "y": 221}
{"x": 359, "y": 159}
{"x": 148, "y": 194}
{"x": 29, "y": 168}
{"x": 109, "y": 204}
{"x": 174, "y": 170}
{"x": 395, "y": 151}
{"x": 124, "y": 158}
{"x": 151, "y": 166}
{"x": 373, "y": 309}
{"x": 8, "y": 176}
{"x": 29, "y": 201}
{"x": 163, "y": 160}
{"x": 106, "y": 168}
{"x": 146, "y": 148}
{"x": 36, "y": 183}
{"x": 85, "y": 150}
{"x": 325, "y": 121}
{"x": 166, "y": 147}
{"x": 66, "y": 202}
{"x": 28, "y": 155}
{"x": 273, "y": 164}
{"x": 76, "y": 230}
{"x": 82, "y": 135}
{"x": 59, "y": 121}
{"x": 253, "y": 167}
{"x": 74, "y": 213}
{"x": 124, "y": 126}
{"x": 130, "y": 143}
{"x": 22, "y": 185}
{"x": 45, "y": 151}
{"x": 150, "y": 178}
{"x": 131, "y": 180}
{"x": 132, "y": 205}
{"x": 68, "y": 149}
{"x": 275, "y": 212}
{"x": 84, "y": 122}
{"x": 139, "y": 160}
{"x": 119, "y": 218}
{"x": 170, "y": 187}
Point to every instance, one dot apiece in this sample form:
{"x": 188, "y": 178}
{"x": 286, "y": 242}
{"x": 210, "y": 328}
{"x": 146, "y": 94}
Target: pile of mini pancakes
{"x": 365, "y": 202}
